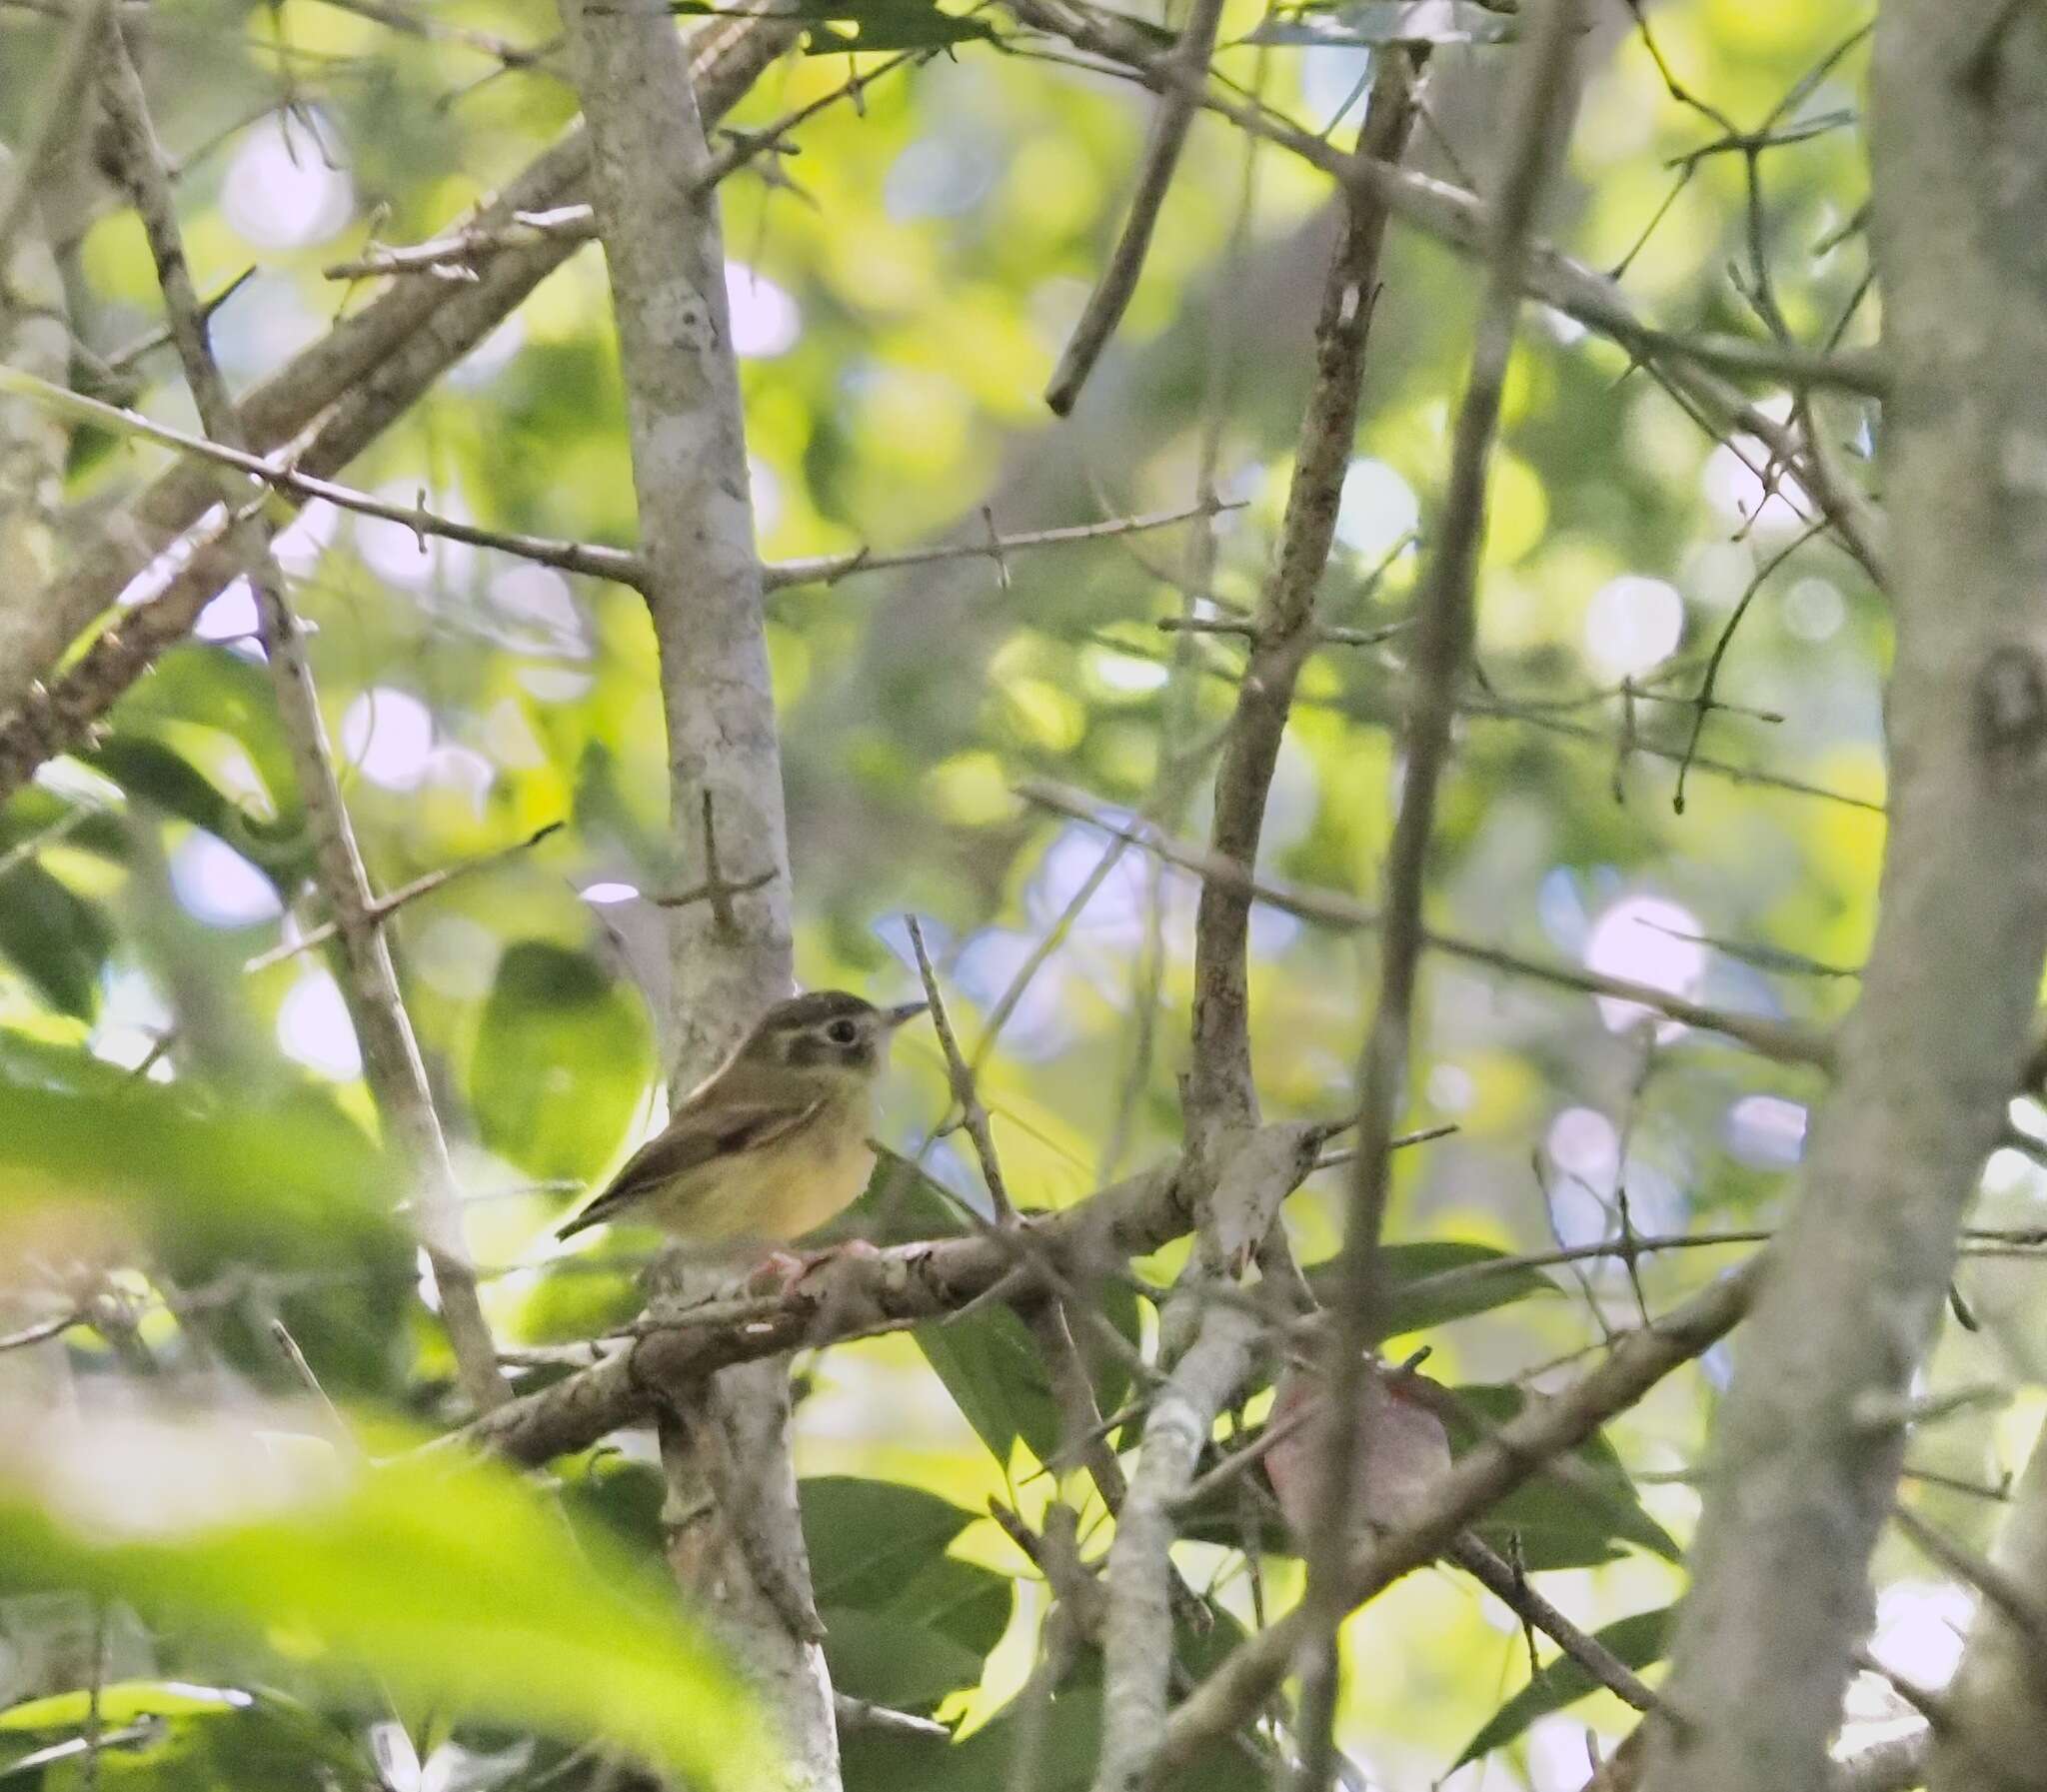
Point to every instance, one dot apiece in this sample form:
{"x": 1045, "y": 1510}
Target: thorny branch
{"x": 390, "y": 1054}
{"x": 1783, "y": 1041}
{"x": 1545, "y": 100}
{"x": 1221, "y": 1092}
{"x": 1479, "y": 1479}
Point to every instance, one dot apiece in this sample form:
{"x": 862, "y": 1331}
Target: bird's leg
{"x": 781, "y": 1271}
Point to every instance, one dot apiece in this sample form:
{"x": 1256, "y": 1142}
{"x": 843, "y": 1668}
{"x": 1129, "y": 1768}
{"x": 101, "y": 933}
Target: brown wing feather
{"x": 681, "y": 1147}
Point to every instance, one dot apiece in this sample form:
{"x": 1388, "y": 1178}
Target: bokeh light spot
{"x": 1633, "y": 624}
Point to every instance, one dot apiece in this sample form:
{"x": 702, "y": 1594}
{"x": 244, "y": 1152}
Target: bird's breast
{"x": 794, "y": 1184}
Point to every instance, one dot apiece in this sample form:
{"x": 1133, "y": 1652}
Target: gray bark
{"x": 729, "y": 956}
{"x": 1997, "y": 1741}
{"x": 1809, "y": 1443}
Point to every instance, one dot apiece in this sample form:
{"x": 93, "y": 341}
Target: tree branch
{"x": 1457, "y": 218}
{"x": 1544, "y": 100}
{"x": 1784, "y": 1041}
{"x": 657, "y": 216}
{"x": 1220, "y": 1092}
{"x": 332, "y": 400}
{"x": 1998, "y": 1697}
{"x": 390, "y": 1056}
{"x": 857, "y": 1295}
{"x": 1479, "y": 1479}
{"x": 1926, "y": 1060}
{"x": 1119, "y": 280}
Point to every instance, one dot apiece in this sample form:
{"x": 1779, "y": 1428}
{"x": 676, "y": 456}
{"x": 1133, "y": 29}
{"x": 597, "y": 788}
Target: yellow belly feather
{"x": 780, "y": 1190}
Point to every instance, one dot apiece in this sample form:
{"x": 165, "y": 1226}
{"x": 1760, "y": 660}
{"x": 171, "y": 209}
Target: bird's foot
{"x": 781, "y": 1271}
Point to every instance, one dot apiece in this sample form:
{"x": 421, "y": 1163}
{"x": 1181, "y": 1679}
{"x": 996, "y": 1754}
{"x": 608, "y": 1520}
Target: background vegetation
{"x": 1667, "y": 768}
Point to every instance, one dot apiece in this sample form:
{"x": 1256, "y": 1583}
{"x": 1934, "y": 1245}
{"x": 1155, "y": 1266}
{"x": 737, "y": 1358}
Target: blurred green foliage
{"x": 185, "y": 1150}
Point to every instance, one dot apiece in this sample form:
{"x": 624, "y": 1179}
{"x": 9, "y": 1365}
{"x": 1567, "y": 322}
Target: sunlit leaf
{"x": 451, "y": 1578}
{"x": 562, "y": 1060}
{"x": 1637, "y": 1642}
{"x": 904, "y": 1623}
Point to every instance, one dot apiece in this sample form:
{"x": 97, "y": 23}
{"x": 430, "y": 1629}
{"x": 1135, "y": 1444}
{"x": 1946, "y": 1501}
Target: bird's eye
{"x": 841, "y": 1033}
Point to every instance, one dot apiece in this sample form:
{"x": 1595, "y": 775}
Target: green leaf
{"x": 1375, "y": 22}
{"x": 290, "y": 1185}
{"x": 1638, "y": 1641}
{"x": 1072, "y": 1739}
{"x": 988, "y": 1359}
{"x": 562, "y": 1059}
{"x": 261, "y": 1742}
{"x": 54, "y": 938}
{"x": 895, "y": 1661}
{"x": 1558, "y": 1524}
{"x": 454, "y": 1580}
{"x": 148, "y": 769}
{"x": 904, "y": 1623}
{"x": 840, "y": 25}
{"x": 122, "y": 1702}
{"x": 997, "y": 1373}
{"x": 1438, "y": 1280}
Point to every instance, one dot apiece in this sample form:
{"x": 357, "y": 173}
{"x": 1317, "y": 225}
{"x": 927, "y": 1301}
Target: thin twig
{"x": 1778, "y": 1040}
{"x": 2016, "y": 1605}
{"x": 884, "y": 1720}
{"x": 381, "y": 908}
{"x": 1477, "y": 1480}
{"x": 42, "y": 1330}
{"x": 1508, "y": 1585}
{"x": 407, "y": 337}
{"x": 1118, "y": 279}
{"x": 391, "y": 1054}
{"x": 275, "y": 471}
{"x": 828, "y": 569}
{"x": 1705, "y": 703}
{"x": 570, "y": 225}
{"x": 1220, "y": 1093}
{"x": 973, "y": 1114}
{"x": 68, "y": 87}
{"x": 1543, "y": 102}
{"x": 1457, "y": 218}
{"x": 435, "y": 30}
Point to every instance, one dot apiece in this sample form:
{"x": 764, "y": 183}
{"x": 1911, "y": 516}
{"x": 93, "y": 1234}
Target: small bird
{"x": 1403, "y": 1449}
{"x": 773, "y": 1142}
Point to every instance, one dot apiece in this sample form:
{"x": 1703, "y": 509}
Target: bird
{"x": 1403, "y": 1449}
{"x": 773, "y": 1142}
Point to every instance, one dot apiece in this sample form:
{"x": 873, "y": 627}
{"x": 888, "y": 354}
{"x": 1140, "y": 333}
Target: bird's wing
{"x": 688, "y": 1142}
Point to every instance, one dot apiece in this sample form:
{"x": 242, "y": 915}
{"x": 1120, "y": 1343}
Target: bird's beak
{"x": 907, "y": 1010}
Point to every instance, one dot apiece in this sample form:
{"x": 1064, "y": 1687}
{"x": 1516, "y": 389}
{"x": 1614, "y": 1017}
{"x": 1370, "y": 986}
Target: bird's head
{"x": 828, "y": 1032}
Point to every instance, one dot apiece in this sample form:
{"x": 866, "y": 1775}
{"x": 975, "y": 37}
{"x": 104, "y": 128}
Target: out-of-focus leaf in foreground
{"x": 452, "y": 1579}
{"x": 294, "y": 1185}
{"x": 562, "y": 1059}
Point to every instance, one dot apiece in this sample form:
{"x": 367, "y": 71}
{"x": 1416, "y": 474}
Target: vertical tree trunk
{"x": 1809, "y": 1443}
{"x": 731, "y": 1484}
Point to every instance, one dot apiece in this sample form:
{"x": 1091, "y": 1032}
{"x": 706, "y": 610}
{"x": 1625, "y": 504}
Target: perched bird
{"x": 773, "y": 1142}
{"x": 1403, "y": 1447}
